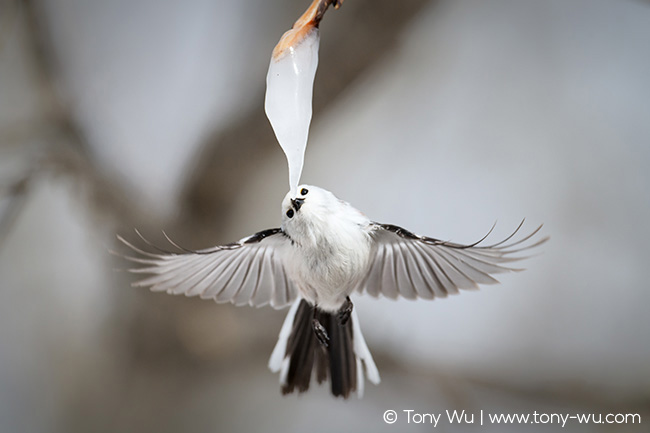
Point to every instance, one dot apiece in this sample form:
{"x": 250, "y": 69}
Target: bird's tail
{"x": 299, "y": 353}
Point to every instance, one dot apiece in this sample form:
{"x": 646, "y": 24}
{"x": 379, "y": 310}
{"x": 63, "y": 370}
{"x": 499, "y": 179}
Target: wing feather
{"x": 416, "y": 274}
{"x": 443, "y": 285}
{"x": 388, "y": 281}
{"x": 459, "y": 279}
{"x": 428, "y": 272}
{"x": 465, "y": 266}
{"x": 222, "y": 273}
{"x": 402, "y": 274}
{"x": 250, "y": 271}
{"x": 236, "y": 272}
{"x": 247, "y": 289}
{"x": 405, "y": 264}
{"x": 266, "y": 283}
{"x": 373, "y": 283}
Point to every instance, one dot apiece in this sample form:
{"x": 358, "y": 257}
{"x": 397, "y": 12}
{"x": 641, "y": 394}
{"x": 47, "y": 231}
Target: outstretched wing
{"x": 412, "y": 266}
{"x": 249, "y": 271}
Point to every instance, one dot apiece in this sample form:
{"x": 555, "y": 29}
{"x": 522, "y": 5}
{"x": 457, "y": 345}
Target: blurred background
{"x": 442, "y": 116}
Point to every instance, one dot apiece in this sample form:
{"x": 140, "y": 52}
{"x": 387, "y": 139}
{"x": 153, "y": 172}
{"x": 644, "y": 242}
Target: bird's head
{"x": 303, "y": 210}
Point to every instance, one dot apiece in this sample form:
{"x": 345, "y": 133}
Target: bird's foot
{"x": 345, "y": 311}
{"x": 321, "y": 332}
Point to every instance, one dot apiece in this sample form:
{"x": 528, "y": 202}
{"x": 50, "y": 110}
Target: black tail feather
{"x": 337, "y": 361}
{"x": 300, "y": 347}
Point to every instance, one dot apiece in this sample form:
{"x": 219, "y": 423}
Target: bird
{"x": 324, "y": 251}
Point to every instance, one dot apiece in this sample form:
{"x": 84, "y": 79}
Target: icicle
{"x": 289, "y": 88}
{"x": 290, "y": 83}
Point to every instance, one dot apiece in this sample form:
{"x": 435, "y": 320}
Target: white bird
{"x": 325, "y": 250}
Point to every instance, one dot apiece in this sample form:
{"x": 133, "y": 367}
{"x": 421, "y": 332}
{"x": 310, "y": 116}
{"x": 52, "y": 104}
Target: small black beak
{"x": 297, "y": 203}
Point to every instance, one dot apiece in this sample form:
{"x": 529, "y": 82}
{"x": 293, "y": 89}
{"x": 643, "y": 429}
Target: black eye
{"x": 304, "y": 191}
{"x": 290, "y": 213}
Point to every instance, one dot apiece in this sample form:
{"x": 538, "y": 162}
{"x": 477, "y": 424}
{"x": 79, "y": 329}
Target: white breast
{"x": 328, "y": 265}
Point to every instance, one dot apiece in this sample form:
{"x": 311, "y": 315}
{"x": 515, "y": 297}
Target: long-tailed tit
{"x": 325, "y": 250}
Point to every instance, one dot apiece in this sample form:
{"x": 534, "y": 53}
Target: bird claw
{"x": 321, "y": 333}
{"x": 345, "y": 311}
